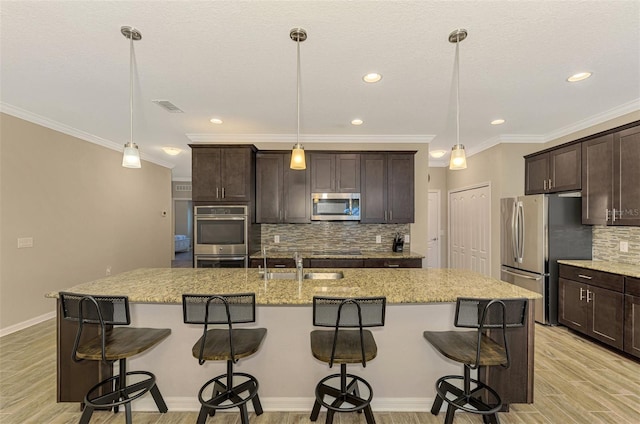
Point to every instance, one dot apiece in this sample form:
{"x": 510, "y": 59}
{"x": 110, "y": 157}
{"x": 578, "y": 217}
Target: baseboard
{"x": 288, "y": 404}
{"x": 22, "y": 325}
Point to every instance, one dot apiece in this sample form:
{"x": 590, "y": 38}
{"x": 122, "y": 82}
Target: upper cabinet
{"x": 335, "y": 172}
{"x": 282, "y": 194}
{"x": 387, "y": 187}
{"x": 611, "y": 193}
{"x": 223, "y": 174}
{"x": 554, "y": 171}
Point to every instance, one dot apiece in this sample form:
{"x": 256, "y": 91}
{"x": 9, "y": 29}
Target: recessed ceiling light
{"x": 372, "y": 77}
{"x": 216, "y": 121}
{"x": 497, "y": 122}
{"x": 357, "y": 122}
{"x": 173, "y": 151}
{"x": 579, "y": 76}
{"x": 437, "y": 153}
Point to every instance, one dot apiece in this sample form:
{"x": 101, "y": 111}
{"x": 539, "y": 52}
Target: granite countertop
{"x": 403, "y": 285}
{"x": 337, "y": 254}
{"x": 606, "y": 266}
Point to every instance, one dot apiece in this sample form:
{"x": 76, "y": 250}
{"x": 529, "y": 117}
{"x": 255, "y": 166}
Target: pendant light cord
{"x": 298, "y": 92}
{"x": 458, "y": 91}
{"x": 131, "y": 86}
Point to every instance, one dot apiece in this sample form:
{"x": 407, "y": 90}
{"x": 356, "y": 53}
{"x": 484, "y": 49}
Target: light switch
{"x": 407, "y": 238}
{"x": 276, "y": 239}
{"x": 25, "y": 242}
{"x": 624, "y": 246}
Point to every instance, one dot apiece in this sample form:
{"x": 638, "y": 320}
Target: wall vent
{"x": 168, "y": 106}
{"x": 183, "y": 187}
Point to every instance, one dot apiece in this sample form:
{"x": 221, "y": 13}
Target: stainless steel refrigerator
{"x": 538, "y": 230}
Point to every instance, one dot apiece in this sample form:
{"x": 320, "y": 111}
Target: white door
{"x": 470, "y": 229}
{"x": 433, "y": 230}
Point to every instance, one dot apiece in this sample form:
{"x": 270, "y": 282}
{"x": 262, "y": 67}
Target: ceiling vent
{"x": 168, "y": 106}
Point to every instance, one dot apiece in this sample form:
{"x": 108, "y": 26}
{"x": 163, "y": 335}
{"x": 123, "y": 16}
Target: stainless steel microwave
{"x": 335, "y": 206}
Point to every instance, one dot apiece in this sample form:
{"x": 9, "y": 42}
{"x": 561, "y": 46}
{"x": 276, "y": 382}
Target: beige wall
{"x": 84, "y": 211}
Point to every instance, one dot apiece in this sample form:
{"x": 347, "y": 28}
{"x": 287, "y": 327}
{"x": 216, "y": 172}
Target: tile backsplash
{"x": 606, "y": 244}
{"x": 333, "y": 236}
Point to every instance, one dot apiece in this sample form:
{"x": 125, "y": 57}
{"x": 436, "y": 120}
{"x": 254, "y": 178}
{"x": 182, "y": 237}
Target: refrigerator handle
{"x": 520, "y": 232}
{"x": 514, "y": 231}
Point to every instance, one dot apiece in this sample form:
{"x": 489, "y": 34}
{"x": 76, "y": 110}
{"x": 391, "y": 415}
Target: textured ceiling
{"x": 65, "y": 64}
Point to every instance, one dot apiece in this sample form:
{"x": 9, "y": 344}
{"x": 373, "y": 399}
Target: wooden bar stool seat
{"x": 228, "y": 345}
{"x": 345, "y": 347}
{"x": 113, "y": 344}
{"x": 475, "y": 349}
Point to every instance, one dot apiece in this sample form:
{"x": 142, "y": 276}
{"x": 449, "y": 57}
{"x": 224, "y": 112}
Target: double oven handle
{"x": 221, "y": 218}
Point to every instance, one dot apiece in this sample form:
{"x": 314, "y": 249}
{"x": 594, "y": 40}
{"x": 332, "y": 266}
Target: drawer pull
{"x": 280, "y": 266}
{"x": 585, "y": 276}
{"x": 393, "y": 266}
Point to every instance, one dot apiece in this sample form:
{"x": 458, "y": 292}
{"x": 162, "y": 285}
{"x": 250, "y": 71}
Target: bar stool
{"x": 345, "y": 347}
{"x": 229, "y": 345}
{"x": 113, "y": 344}
{"x": 475, "y": 349}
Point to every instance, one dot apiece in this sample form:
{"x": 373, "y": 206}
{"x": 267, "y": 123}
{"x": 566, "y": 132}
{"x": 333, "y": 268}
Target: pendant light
{"x": 297, "y": 153}
{"x": 131, "y": 155}
{"x": 458, "y": 157}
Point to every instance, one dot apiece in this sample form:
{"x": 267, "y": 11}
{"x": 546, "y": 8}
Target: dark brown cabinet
{"x": 393, "y": 263}
{"x": 335, "y": 172}
{"x": 283, "y": 194}
{"x": 387, "y": 188}
{"x": 611, "y": 193}
{"x": 554, "y": 171}
{"x": 592, "y": 302}
{"x": 632, "y": 316}
{"x": 223, "y": 174}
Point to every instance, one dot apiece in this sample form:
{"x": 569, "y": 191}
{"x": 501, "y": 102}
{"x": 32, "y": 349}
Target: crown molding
{"x": 74, "y": 132}
{"x": 310, "y": 138}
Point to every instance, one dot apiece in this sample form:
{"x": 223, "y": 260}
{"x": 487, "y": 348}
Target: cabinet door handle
{"x": 223, "y": 192}
{"x": 581, "y": 293}
{"x": 217, "y": 193}
{"x": 613, "y": 215}
{"x": 606, "y": 218}
{"x": 585, "y": 277}
{"x": 589, "y": 298}
{"x": 549, "y": 183}
{"x": 545, "y": 184}
{"x": 390, "y": 215}
{"x": 385, "y": 215}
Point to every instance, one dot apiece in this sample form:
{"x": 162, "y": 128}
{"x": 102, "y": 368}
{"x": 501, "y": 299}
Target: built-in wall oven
{"x": 221, "y": 237}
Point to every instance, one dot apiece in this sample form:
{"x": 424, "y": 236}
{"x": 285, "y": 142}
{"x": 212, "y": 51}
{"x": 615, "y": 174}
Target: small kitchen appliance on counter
{"x": 398, "y": 243}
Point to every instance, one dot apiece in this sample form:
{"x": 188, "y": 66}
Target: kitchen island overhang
{"x": 403, "y": 375}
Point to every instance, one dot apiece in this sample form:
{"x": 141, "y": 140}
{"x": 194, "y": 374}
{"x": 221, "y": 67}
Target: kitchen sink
{"x": 307, "y": 276}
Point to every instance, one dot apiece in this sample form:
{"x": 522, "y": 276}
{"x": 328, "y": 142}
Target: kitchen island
{"x": 403, "y": 375}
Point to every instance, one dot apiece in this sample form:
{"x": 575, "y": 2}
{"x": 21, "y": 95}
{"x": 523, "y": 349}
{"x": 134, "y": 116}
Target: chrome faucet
{"x": 299, "y": 269}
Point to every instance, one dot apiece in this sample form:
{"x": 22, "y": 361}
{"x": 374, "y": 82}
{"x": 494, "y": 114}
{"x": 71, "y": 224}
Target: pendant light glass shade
{"x": 131, "y": 154}
{"x": 458, "y": 157}
{"x": 297, "y": 153}
{"x": 297, "y": 157}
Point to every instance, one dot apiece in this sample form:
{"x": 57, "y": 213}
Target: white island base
{"x": 403, "y": 374}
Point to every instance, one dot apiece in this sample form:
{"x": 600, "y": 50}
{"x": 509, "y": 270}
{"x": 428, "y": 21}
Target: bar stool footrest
{"x": 116, "y": 398}
{"x": 350, "y": 396}
{"x": 462, "y": 399}
{"x": 222, "y": 394}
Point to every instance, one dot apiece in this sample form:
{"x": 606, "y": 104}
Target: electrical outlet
{"x": 624, "y": 246}
{"x": 108, "y": 271}
{"x": 407, "y": 238}
{"x": 25, "y": 242}
{"x": 378, "y": 239}
{"x": 276, "y": 239}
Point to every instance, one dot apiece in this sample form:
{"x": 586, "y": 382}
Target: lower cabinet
{"x": 339, "y": 263}
{"x": 632, "y": 316}
{"x": 592, "y": 302}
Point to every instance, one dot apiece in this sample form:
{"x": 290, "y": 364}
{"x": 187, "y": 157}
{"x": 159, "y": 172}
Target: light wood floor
{"x": 577, "y": 381}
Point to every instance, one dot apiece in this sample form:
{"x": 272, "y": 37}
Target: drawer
{"x": 592, "y": 277}
{"x": 632, "y": 286}
{"x": 334, "y": 263}
{"x": 280, "y": 263}
{"x": 393, "y": 263}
